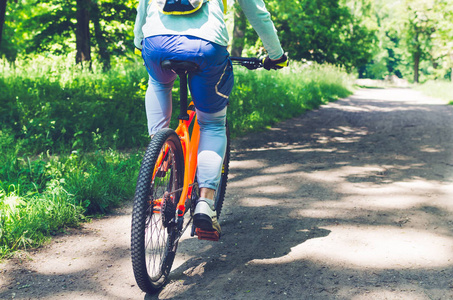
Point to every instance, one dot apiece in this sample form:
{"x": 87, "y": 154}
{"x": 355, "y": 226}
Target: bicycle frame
{"x": 189, "y": 144}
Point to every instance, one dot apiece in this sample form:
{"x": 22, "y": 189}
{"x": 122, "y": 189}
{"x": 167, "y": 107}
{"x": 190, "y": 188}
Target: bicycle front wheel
{"x": 154, "y": 228}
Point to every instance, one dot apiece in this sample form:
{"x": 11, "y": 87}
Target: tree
{"x": 83, "y": 26}
{"x": 419, "y": 30}
{"x": 443, "y": 37}
{"x": 99, "y": 34}
{"x": 11, "y": 37}
{"x": 83, "y": 31}
{"x": 324, "y": 31}
{"x": 428, "y": 35}
{"x": 240, "y": 26}
{"x": 415, "y": 39}
{"x": 387, "y": 59}
{"x": 2, "y": 17}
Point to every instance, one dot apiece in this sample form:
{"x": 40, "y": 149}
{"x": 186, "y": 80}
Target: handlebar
{"x": 251, "y": 63}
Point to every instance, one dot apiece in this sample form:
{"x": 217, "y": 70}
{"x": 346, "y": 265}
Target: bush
{"x": 28, "y": 220}
{"x": 262, "y": 98}
{"x": 54, "y": 108}
{"x": 42, "y": 195}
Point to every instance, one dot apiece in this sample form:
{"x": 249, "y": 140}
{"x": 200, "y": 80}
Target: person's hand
{"x": 275, "y": 64}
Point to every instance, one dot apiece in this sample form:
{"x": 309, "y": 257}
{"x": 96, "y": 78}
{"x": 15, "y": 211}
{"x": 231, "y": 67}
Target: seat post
{"x": 181, "y": 68}
{"x": 183, "y": 96}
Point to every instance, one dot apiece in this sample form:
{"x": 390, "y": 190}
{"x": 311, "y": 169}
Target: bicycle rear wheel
{"x": 154, "y": 229}
{"x": 220, "y": 193}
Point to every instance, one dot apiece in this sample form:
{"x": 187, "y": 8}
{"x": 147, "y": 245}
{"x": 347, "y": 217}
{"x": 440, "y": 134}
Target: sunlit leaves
{"x": 321, "y": 31}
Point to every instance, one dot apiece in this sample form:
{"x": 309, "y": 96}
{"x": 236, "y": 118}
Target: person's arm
{"x": 260, "y": 19}
{"x": 140, "y": 20}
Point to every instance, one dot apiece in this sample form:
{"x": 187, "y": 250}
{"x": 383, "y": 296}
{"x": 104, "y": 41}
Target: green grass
{"x": 67, "y": 135}
{"x": 261, "y": 98}
{"x": 56, "y": 107}
{"x": 438, "y": 89}
{"x": 40, "y": 196}
{"x": 28, "y": 220}
{"x": 53, "y": 106}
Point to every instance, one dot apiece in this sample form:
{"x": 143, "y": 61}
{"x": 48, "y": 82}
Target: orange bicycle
{"x": 167, "y": 189}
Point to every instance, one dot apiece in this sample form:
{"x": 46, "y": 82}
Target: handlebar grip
{"x": 250, "y": 63}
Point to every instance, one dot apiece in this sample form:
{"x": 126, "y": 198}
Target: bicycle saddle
{"x": 180, "y": 66}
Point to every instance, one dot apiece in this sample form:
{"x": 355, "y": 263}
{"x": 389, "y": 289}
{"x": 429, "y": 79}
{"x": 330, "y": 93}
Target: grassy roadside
{"x": 64, "y": 132}
{"x": 439, "y": 89}
{"x": 262, "y": 98}
{"x": 41, "y": 195}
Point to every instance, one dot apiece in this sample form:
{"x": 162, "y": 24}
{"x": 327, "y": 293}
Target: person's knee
{"x": 212, "y": 121}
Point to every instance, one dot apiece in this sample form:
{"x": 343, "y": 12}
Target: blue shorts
{"x": 211, "y": 86}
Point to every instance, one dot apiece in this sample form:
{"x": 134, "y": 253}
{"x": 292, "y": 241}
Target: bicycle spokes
{"x": 156, "y": 243}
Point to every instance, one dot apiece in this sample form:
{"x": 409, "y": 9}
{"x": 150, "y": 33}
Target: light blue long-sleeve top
{"x": 208, "y": 24}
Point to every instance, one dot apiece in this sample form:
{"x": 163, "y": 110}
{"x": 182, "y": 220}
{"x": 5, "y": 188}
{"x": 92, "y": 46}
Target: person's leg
{"x": 158, "y": 105}
{"x": 158, "y": 98}
{"x": 211, "y": 151}
{"x": 210, "y": 88}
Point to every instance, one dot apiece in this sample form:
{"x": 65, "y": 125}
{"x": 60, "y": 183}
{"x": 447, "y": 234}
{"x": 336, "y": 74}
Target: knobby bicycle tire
{"x": 154, "y": 229}
{"x": 221, "y": 190}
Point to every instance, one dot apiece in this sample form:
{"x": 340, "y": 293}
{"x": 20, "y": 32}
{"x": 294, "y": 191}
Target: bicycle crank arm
{"x": 181, "y": 232}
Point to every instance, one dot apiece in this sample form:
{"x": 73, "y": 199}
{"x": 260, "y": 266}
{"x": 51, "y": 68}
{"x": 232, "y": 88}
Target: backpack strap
{"x": 225, "y": 8}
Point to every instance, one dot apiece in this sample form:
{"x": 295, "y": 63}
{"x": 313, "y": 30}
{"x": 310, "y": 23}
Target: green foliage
{"x": 28, "y": 221}
{"x": 324, "y": 31}
{"x": 100, "y": 181}
{"x": 42, "y": 195}
{"x": 13, "y": 34}
{"x": 376, "y": 38}
{"x": 415, "y": 40}
{"x": 51, "y": 105}
{"x": 262, "y": 98}
{"x": 33, "y": 203}
{"x": 33, "y": 26}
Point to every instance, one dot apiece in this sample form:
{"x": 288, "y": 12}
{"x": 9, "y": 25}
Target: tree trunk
{"x": 104, "y": 54}
{"x": 451, "y": 62}
{"x": 240, "y": 25}
{"x": 2, "y": 17}
{"x": 83, "y": 31}
{"x": 417, "y": 56}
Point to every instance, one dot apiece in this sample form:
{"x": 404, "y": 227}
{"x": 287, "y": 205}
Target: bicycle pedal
{"x": 207, "y": 235}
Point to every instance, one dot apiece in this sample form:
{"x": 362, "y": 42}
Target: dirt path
{"x": 351, "y": 201}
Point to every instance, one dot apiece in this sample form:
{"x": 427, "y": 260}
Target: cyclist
{"x": 200, "y": 37}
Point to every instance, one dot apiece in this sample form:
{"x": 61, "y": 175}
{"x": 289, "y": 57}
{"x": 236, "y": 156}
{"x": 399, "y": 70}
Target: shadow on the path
{"x": 382, "y": 168}
{"x": 350, "y": 201}
{"x": 83, "y": 283}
